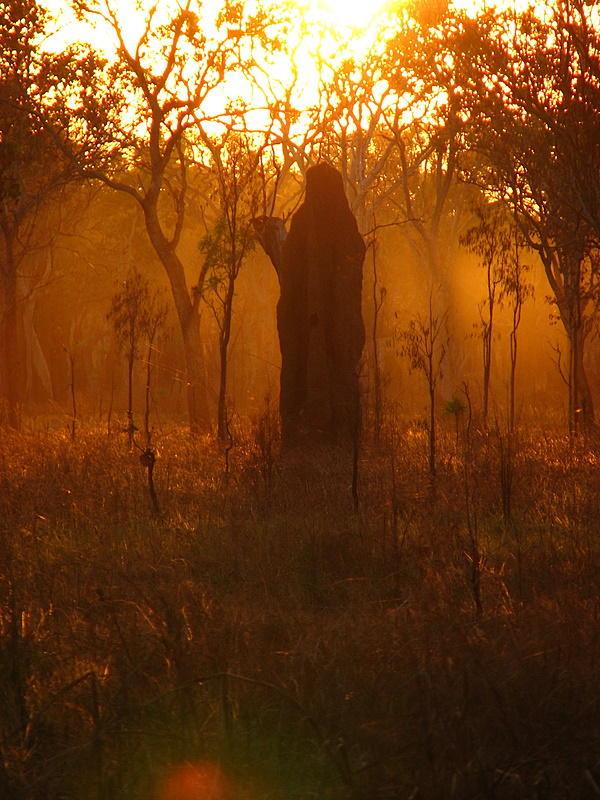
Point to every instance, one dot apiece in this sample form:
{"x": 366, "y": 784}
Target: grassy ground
{"x": 440, "y": 641}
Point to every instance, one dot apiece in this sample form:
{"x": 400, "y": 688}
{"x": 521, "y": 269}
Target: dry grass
{"x": 423, "y": 647}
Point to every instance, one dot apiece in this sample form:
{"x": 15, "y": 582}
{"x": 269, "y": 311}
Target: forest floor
{"x": 273, "y": 635}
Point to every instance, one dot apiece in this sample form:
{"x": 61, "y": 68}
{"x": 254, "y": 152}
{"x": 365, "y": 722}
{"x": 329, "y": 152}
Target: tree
{"x": 427, "y": 127}
{"x": 424, "y": 342}
{"x": 158, "y": 88}
{"x": 515, "y": 290}
{"x": 533, "y": 88}
{"x": 484, "y": 240}
{"x": 496, "y": 239}
{"x": 578, "y": 40}
{"x": 32, "y": 173}
{"x": 235, "y": 165}
{"x": 132, "y": 317}
{"x": 156, "y": 315}
{"x": 351, "y": 126}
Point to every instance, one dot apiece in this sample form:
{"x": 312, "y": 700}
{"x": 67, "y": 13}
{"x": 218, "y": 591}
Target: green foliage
{"x": 221, "y": 252}
{"x": 135, "y": 311}
{"x": 455, "y": 407}
{"x": 498, "y": 242}
{"x": 26, "y": 152}
{"x": 424, "y": 343}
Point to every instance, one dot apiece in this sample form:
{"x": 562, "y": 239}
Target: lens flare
{"x": 346, "y": 13}
{"x": 203, "y": 780}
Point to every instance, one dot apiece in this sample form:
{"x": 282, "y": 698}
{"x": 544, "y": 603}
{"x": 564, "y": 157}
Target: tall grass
{"x": 423, "y": 645}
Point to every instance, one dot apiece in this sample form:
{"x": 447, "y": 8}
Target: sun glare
{"x": 345, "y": 13}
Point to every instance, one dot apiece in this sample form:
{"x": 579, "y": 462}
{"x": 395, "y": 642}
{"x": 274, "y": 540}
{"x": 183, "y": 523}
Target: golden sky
{"x": 327, "y": 32}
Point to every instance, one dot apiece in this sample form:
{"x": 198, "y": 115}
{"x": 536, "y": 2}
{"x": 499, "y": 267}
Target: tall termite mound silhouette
{"x": 319, "y": 318}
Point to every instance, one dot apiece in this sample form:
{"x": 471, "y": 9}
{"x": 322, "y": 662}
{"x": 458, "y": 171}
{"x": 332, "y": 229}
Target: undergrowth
{"x": 435, "y": 642}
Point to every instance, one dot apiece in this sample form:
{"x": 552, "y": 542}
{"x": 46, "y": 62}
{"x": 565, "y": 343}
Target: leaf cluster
{"x": 136, "y": 312}
{"x": 424, "y": 343}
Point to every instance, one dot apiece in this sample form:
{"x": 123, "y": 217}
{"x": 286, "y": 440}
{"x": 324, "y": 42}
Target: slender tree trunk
{"x": 581, "y": 407}
{"x": 488, "y": 341}
{"x": 111, "y": 400}
{"x": 564, "y": 276}
{"x": 71, "y": 360}
{"x": 130, "y": 423}
{"x": 581, "y": 404}
{"x": 197, "y": 403}
{"x": 432, "y": 386}
{"x": 512, "y": 379}
{"x": 189, "y": 322}
{"x": 378, "y": 300}
{"x": 9, "y": 343}
{"x": 514, "y": 349}
{"x": 225, "y": 336}
{"x": 222, "y": 401}
{"x": 37, "y": 372}
{"x": 487, "y": 356}
{"x": 432, "y": 432}
{"x": 148, "y": 385}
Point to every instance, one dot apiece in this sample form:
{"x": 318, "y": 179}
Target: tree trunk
{"x": 581, "y": 404}
{"x": 225, "y": 336}
{"x": 487, "y": 367}
{"x": 512, "y": 379}
{"x": 197, "y": 403}
{"x": 564, "y": 276}
{"x": 130, "y": 423}
{"x": 189, "y": 322}
{"x": 38, "y": 381}
{"x": 432, "y": 432}
{"x": 488, "y": 342}
{"x": 378, "y": 300}
{"x": 581, "y": 408}
{"x": 9, "y": 344}
{"x": 148, "y": 386}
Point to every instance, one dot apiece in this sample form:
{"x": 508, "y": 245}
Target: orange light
{"x": 203, "y": 780}
{"x": 345, "y": 13}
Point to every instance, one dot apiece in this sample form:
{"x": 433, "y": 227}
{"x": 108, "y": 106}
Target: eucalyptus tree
{"x": 168, "y": 71}
{"x": 236, "y": 166}
{"x": 136, "y": 314}
{"x": 426, "y": 126}
{"x": 485, "y": 240}
{"x": 532, "y": 84}
{"x": 354, "y": 96}
{"x": 496, "y": 240}
{"x": 326, "y": 102}
{"x": 424, "y": 342}
{"x": 33, "y": 171}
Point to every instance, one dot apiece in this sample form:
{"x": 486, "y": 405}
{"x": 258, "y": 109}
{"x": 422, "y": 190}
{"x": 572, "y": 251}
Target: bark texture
{"x": 319, "y": 319}
{"x": 271, "y": 233}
